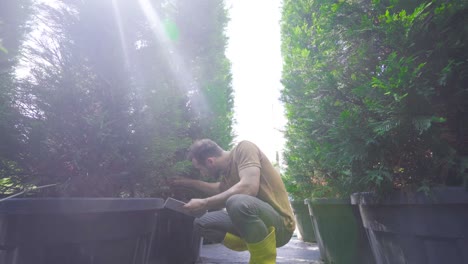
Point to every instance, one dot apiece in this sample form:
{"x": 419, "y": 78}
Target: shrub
{"x": 375, "y": 93}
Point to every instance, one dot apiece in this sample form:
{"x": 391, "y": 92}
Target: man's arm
{"x": 249, "y": 184}
{"x": 209, "y": 188}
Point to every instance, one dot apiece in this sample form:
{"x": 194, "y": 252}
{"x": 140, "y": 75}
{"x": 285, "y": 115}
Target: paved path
{"x": 295, "y": 252}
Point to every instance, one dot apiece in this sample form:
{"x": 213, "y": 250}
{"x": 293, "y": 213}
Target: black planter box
{"x": 175, "y": 241}
{"x": 339, "y": 232}
{"x": 303, "y": 221}
{"x": 410, "y": 227}
{"x": 77, "y": 230}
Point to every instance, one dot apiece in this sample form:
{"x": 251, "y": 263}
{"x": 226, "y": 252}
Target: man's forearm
{"x": 249, "y": 184}
{"x": 219, "y": 200}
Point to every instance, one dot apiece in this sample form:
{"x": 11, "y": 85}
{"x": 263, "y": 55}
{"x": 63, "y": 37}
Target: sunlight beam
{"x": 118, "y": 20}
{"x": 177, "y": 65}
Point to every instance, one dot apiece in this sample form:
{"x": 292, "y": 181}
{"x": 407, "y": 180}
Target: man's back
{"x": 271, "y": 189}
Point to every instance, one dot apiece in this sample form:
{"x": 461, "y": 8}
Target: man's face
{"x": 208, "y": 169}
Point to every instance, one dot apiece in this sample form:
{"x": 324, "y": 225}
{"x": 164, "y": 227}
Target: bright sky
{"x": 254, "y": 49}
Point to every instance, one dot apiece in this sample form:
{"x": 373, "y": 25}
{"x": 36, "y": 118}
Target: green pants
{"x": 245, "y": 216}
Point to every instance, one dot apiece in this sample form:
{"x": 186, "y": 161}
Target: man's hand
{"x": 196, "y": 206}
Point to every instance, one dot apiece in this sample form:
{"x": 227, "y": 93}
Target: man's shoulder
{"x": 246, "y": 154}
{"x": 246, "y": 144}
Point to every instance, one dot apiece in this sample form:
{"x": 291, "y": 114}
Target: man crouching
{"x": 257, "y": 215}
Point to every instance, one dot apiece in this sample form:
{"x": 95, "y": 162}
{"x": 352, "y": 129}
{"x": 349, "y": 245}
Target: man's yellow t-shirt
{"x": 272, "y": 190}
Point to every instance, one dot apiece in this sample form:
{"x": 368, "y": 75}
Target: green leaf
{"x": 422, "y": 124}
{"x": 438, "y": 119}
{"x": 3, "y": 49}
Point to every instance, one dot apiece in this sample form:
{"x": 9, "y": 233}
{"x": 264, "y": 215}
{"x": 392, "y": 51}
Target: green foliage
{"x": 10, "y": 182}
{"x": 211, "y": 97}
{"x": 374, "y": 93}
{"x": 3, "y": 49}
{"x": 14, "y": 15}
{"x": 108, "y": 107}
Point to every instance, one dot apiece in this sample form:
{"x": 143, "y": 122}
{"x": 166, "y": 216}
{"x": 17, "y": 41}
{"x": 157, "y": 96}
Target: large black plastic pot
{"x": 174, "y": 239}
{"x": 339, "y": 231}
{"x": 77, "y": 230}
{"x": 416, "y": 229}
{"x": 318, "y": 238}
{"x": 303, "y": 221}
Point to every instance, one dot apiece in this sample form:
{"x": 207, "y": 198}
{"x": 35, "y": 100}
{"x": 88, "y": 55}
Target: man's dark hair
{"x": 203, "y": 149}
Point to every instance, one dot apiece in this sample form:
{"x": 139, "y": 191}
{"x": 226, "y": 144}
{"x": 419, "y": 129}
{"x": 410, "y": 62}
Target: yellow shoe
{"x": 234, "y": 242}
{"x": 264, "y": 252}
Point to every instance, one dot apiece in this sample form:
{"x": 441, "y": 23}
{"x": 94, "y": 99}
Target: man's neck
{"x": 223, "y": 161}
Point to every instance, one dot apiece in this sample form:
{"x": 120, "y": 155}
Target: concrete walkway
{"x": 295, "y": 252}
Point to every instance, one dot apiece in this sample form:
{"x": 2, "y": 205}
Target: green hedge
{"x": 375, "y": 93}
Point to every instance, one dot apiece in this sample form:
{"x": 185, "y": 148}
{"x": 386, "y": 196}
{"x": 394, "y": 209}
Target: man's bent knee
{"x": 238, "y": 205}
{"x": 197, "y": 225}
{"x": 236, "y": 201}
